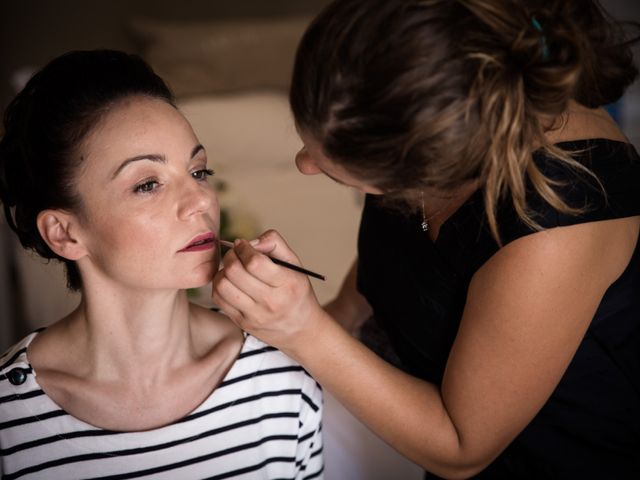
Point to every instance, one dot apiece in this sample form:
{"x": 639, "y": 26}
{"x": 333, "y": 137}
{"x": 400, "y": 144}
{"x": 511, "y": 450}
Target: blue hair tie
{"x": 543, "y": 40}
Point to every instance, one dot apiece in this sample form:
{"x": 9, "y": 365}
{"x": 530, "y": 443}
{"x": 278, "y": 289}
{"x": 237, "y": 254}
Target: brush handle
{"x": 277, "y": 261}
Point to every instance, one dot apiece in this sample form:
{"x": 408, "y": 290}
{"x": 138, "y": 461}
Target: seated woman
{"x": 99, "y": 170}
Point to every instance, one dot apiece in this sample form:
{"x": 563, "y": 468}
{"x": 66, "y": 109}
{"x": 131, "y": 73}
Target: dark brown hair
{"x": 414, "y": 94}
{"x": 44, "y": 126}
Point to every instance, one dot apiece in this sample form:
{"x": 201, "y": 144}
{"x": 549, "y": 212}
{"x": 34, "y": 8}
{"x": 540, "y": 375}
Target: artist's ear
{"x": 59, "y": 229}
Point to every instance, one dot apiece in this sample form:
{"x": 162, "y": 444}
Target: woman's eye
{"x": 202, "y": 174}
{"x": 146, "y": 187}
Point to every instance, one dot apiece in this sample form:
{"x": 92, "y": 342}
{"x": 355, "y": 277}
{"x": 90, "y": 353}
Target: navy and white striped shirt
{"x": 262, "y": 422}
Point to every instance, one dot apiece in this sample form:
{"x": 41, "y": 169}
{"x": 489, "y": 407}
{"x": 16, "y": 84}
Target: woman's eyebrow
{"x": 197, "y": 149}
{"x": 153, "y": 157}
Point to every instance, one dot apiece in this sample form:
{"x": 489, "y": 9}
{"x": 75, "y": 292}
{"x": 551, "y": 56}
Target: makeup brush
{"x": 226, "y": 243}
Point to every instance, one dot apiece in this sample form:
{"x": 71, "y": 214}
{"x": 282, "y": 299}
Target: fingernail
{"x": 254, "y": 242}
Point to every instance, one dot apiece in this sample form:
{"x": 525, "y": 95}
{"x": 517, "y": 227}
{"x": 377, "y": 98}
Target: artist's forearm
{"x": 360, "y": 308}
{"x": 350, "y": 308}
{"x": 406, "y": 412}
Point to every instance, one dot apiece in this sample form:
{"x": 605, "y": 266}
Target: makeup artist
{"x": 498, "y": 247}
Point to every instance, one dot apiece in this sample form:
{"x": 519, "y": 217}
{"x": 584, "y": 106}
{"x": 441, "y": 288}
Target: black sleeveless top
{"x": 590, "y": 426}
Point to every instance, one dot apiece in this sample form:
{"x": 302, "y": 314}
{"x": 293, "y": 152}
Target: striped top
{"x": 262, "y": 422}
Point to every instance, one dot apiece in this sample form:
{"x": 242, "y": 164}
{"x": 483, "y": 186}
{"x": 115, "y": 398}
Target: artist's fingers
{"x": 279, "y": 288}
{"x": 259, "y": 266}
{"x": 229, "y": 297}
{"x": 228, "y": 309}
{"x": 273, "y": 244}
{"x": 251, "y": 271}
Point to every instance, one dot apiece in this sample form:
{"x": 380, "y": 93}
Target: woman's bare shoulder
{"x": 51, "y": 349}
{"x": 211, "y": 328}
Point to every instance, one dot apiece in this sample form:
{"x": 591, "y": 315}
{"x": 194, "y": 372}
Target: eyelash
{"x": 150, "y": 186}
{"x": 144, "y": 187}
{"x": 202, "y": 174}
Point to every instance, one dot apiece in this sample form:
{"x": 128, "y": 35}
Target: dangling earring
{"x": 425, "y": 220}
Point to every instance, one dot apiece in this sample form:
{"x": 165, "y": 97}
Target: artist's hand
{"x": 275, "y": 304}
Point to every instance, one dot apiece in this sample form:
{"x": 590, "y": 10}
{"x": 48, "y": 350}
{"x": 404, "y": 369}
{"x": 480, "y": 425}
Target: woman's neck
{"x": 115, "y": 328}
{"x": 134, "y": 360}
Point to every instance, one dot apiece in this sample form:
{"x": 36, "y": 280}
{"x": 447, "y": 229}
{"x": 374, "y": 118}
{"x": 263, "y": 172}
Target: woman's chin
{"x": 201, "y": 279}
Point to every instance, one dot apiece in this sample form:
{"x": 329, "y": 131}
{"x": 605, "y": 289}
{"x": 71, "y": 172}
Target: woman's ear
{"x": 56, "y": 228}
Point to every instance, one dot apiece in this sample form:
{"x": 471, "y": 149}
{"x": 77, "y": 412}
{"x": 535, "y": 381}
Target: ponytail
{"x": 542, "y": 58}
{"x": 415, "y": 94}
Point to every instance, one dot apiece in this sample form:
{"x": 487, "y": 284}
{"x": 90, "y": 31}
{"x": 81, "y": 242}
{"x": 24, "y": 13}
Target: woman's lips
{"x": 204, "y": 241}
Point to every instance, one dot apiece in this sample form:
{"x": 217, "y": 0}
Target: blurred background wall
{"x": 34, "y": 31}
{"x": 627, "y": 110}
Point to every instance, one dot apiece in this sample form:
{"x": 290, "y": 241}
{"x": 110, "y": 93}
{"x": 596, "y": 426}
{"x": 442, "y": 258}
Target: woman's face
{"x": 146, "y": 200}
{"x": 311, "y": 160}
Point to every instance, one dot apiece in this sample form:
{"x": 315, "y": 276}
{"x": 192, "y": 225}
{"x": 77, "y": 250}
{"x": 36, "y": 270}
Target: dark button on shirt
{"x": 17, "y": 376}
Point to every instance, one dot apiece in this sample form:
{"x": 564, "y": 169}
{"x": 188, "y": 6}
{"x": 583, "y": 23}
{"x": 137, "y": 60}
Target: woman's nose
{"x": 306, "y": 165}
{"x": 197, "y": 198}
